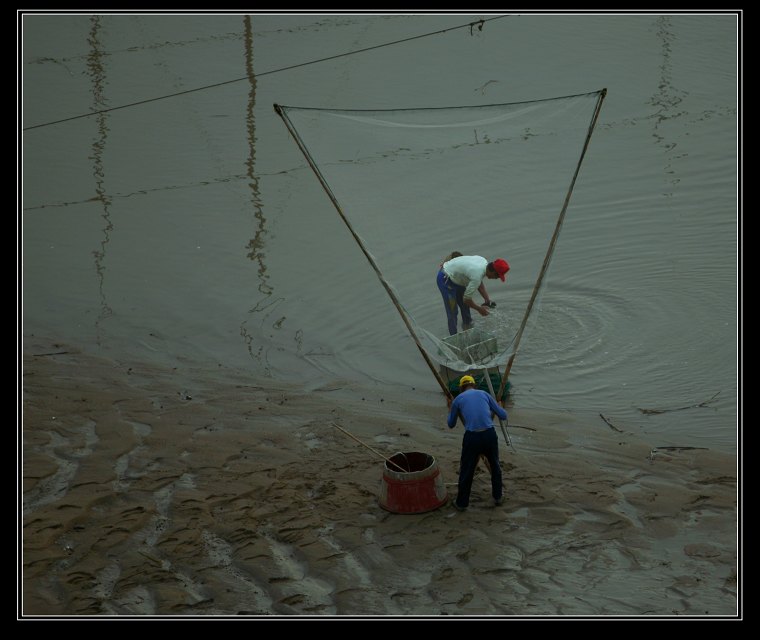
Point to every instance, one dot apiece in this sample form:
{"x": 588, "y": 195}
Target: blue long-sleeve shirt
{"x": 474, "y": 407}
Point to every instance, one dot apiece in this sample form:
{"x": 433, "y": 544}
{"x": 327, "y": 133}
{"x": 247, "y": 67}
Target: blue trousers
{"x": 474, "y": 444}
{"x": 453, "y": 299}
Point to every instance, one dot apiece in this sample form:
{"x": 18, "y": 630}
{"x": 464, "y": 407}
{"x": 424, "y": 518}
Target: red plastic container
{"x": 418, "y": 489}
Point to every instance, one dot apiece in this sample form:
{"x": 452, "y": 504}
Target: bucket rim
{"x": 430, "y": 463}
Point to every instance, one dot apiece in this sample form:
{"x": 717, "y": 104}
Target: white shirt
{"x": 466, "y": 271}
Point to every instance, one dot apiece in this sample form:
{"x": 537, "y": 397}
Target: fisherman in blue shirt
{"x": 476, "y": 409}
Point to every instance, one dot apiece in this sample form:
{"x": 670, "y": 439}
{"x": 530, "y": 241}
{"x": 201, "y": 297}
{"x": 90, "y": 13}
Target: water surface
{"x": 190, "y": 230}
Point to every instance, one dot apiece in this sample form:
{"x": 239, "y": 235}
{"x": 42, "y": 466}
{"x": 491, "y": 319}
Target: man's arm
{"x": 453, "y": 414}
{"x": 484, "y": 293}
{"x": 499, "y": 411}
{"x": 474, "y": 305}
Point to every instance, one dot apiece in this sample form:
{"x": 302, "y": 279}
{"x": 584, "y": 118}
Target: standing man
{"x": 459, "y": 279}
{"x": 476, "y": 409}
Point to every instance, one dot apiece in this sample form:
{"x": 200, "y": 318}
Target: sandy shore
{"x": 149, "y": 491}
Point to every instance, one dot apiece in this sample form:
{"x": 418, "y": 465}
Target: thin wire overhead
{"x": 471, "y": 25}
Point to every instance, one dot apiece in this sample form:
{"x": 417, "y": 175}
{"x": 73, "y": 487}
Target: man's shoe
{"x": 498, "y": 501}
{"x": 456, "y": 506}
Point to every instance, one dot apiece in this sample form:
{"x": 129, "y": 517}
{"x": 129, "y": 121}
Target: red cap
{"x": 501, "y": 267}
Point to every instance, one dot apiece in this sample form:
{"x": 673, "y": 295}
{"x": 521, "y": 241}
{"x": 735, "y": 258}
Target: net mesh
{"x": 413, "y": 185}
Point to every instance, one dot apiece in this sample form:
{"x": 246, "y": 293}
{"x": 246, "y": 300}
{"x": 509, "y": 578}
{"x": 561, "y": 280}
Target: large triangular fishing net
{"x": 414, "y": 185}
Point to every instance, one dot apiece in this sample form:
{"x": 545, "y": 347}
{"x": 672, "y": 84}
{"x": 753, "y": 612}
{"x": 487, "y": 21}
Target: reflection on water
{"x": 667, "y": 99}
{"x": 139, "y": 49}
{"x": 266, "y": 306}
{"x": 331, "y": 23}
{"x": 256, "y": 244}
{"x": 96, "y": 71}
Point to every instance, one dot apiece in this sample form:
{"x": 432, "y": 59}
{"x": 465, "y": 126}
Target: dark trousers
{"x": 475, "y": 444}
{"x": 453, "y": 300}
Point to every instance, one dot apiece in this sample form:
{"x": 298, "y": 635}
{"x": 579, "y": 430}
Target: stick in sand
{"x": 368, "y": 447}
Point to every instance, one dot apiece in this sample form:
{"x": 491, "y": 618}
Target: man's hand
{"x": 482, "y": 311}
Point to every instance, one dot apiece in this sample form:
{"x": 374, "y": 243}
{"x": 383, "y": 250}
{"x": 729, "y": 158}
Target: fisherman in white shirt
{"x": 458, "y": 280}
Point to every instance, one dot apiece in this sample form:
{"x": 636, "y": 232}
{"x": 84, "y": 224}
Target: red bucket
{"x": 417, "y": 489}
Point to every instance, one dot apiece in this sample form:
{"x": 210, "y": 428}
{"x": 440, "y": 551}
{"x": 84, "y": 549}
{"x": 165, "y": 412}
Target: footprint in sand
{"x": 319, "y": 592}
{"x": 67, "y": 455}
{"x": 446, "y": 573}
{"x": 701, "y": 550}
{"x": 221, "y": 554}
{"x": 296, "y": 598}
